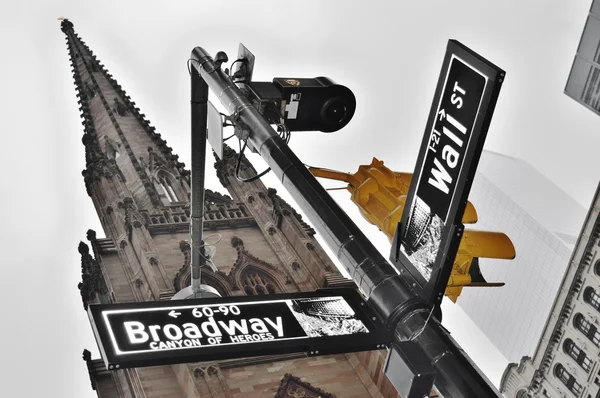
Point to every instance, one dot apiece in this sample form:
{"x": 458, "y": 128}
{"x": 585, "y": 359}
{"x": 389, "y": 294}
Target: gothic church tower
{"x": 141, "y": 193}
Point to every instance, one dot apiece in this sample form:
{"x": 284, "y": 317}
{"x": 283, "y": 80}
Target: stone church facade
{"x": 141, "y": 194}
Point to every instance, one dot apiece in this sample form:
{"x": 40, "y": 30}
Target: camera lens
{"x": 334, "y": 110}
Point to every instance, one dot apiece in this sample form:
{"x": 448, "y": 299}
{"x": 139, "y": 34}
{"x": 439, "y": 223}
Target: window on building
{"x": 258, "y": 284}
{"x": 591, "y": 297}
{"x": 584, "y": 326}
{"x": 567, "y": 379}
{"x": 165, "y": 184}
{"x": 572, "y": 350}
{"x": 597, "y": 266}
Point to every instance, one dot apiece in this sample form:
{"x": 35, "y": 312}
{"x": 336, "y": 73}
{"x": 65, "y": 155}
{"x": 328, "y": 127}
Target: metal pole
{"x": 387, "y": 293}
{"x": 199, "y": 108}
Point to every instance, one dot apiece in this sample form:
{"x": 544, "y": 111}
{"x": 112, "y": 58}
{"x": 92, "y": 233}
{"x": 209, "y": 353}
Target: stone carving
{"x": 98, "y": 164}
{"x": 87, "y": 357}
{"x": 92, "y": 280}
{"x": 293, "y": 387}
{"x": 119, "y": 108}
{"x": 66, "y": 26}
{"x": 91, "y": 235}
{"x": 237, "y": 242}
{"x": 132, "y": 217}
{"x": 211, "y": 370}
{"x": 199, "y": 372}
{"x": 186, "y": 249}
{"x": 282, "y": 208}
{"x": 93, "y": 66}
{"x": 89, "y": 91}
{"x": 226, "y": 167}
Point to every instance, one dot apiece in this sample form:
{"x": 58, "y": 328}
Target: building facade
{"x": 566, "y": 361}
{"x": 261, "y": 246}
{"x": 583, "y": 84}
{"x": 543, "y": 222}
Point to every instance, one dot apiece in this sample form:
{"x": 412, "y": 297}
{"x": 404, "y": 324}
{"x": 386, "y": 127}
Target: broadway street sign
{"x": 154, "y": 333}
{"x": 426, "y": 242}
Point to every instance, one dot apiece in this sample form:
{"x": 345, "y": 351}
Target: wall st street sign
{"x": 153, "y": 333}
{"x": 429, "y": 233}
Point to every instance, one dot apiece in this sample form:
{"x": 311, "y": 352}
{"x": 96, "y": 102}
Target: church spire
{"x": 144, "y": 164}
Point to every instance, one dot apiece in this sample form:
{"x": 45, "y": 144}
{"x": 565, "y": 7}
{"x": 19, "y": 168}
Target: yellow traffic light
{"x": 380, "y": 195}
{"x": 473, "y": 245}
{"x": 378, "y": 192}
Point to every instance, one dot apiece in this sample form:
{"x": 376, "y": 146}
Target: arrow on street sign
{"x": 174, "y": 314}
{"x": 442, "y": 114}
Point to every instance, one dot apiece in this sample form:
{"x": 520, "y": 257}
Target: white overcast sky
{"x": 388, "y": 52}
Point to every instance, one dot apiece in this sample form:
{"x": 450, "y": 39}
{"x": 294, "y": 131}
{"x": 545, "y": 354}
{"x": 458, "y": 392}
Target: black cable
{"x": 237, "y": 167}
{"x": 188, "y": 65}
{"x": 231, "y": 69}
{"x": 284, "y": 133}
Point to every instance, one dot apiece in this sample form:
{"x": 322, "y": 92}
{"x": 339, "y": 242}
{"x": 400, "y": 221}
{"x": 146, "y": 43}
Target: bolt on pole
{"x": 395, "y": 304}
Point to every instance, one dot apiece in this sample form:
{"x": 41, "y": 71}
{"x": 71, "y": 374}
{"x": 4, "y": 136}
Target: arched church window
{"x": 256, "y": 283}
{"x": 567, "y": 379}
{"x": 167, "y": 188}
{"x": 572, "y": 350}
{"x": 584, "y": 326}
{"x": 591, "y": 297}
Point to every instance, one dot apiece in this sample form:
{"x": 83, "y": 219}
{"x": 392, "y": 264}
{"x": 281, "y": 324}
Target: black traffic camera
{"x": 302, "y": 104}
{"x": 299, "y": 104}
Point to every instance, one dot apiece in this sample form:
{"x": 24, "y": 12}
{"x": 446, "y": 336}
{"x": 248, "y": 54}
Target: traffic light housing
{"x": 474, "y": 245}
{"x": 380, "y": 195}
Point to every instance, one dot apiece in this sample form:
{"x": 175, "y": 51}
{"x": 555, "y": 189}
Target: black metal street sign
{"x": 154, "y": 333}
{"x": 428, "y": 236}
